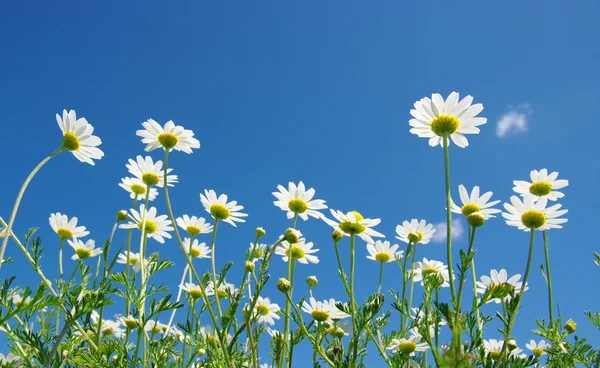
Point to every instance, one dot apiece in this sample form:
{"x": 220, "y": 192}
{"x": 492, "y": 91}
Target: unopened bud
{"x": 201, "y": 352}
{"x": 260, "y": 232}
{"x": 283, "y": 285}
{"x": 292, "y": 235}
{"x": 571, "y": 326}
{"x": 337, "y": 236}
{"x": 312, "y": 281}
{"x": 121, "y": 215}
{"x": 476, "y": 219}
{"x": 512, "y": 344}
{"x": 249, "y": 266}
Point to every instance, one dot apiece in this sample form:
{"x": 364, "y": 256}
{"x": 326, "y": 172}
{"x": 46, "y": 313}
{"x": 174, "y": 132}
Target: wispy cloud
{"x": 515, "y": 121}
{"x": 458, "y": 228}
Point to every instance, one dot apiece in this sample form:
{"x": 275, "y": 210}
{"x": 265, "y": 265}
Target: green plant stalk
{"x": 412, "y": 284}
{"x": 462, "y": 280}
{"x": 380, "y": 277}
{"x": 214, "y": 270}
{"x": 353, "y": 301}
{"x": 60, "y": 273}
{"x": 105, "y": 256}
{"x": 404, "y": 280}
{"x": 449, "y": 221}
{"x": 291, "y": 274}
{"x": 127, "y": 265}
{"x": 143, "y": 280}
{"x": 549, "y": 276}
{"x": 286, "y": 323}
{"x": 475, "y": 308}
{"x": 180, "y": 292}
{"x": 13, "y": 215}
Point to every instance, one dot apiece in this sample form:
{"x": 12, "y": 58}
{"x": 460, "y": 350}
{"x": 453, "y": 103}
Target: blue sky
{"x": 313, "y": 91}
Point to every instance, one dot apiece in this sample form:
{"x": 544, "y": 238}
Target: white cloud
{"x": 458, "y": 228}
{"x": 515, "y": 121}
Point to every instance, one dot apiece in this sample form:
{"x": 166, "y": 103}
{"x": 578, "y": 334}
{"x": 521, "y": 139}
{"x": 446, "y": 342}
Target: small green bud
{"x": 337, "y": 236}
{"x": 283, "y": 285}
{"x": 571, "y": 326}
{"x": 201, "y": 352}
{"x": 260, "y": 232}
{"x": 476, "y": 219}
{"x": 512, "y": 344}
{"x": 121, "y": 215}
{"x": 292, "y": 235}
{"x": 312, "y": 281}
{"x": 336, "y": 332}
{"x": 249, "y": 266}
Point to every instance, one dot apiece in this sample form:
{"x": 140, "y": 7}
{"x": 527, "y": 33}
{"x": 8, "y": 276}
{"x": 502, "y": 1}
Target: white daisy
{"x": 78, "y": 138}
{"x": 493, "y": 348}
{"x": 210, "y": 333}
{"x": 170, "y": 137}
{"x": 155, "y": 327}
{"x": 266, "y": 311}
{"x": 84, "y": 250}
{"x": 134, "y": 260}
{"x": 300, "y": 251}
{"x": 194, "y": 225}
{"x": 542, "y": 185}
{"x": 341, "y": 328}
{"x": 427, "y": 267}
{"x": 415, "y": 232}
{"x": 435, "y": 118}
{"x": 198, "y": 250}
{"x": 298, "y": 200}
{"x": 538, "y": 349}
{"x": 531, "y": 214}
{"x": 225, "y": 289}
{"x": 18, "y": 300}
{"x": 107, "y": 327}
{"x": 257, "y": 251}
{"x": 335, "y": 313}
{"x": 475, "y": 203}
{"x": 353, "y": 223}
{"x": 128, "y": 322}
{"x": 137, "y": 189}
{"x": 194, "y": 290}
{"x": 324, "y": 311}
{"x": 10, "y": 360}
{"x": 149, "y": 172}
{"x": 274, "y": 333}
{"x": 408, "y": 345}
{"x": 497, "y": 281}
{"x": 383, "y": 252}
{"x": 220, "y": 209}
{"x": 156, "y": 227}
{"x": 65, "y": 228}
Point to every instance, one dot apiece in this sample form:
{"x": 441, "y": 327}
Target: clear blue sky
{"x": 313, "y": 91}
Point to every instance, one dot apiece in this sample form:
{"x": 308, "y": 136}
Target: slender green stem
{"x": 291, "y": 275}
{"x": 404, "y": 280}
{"x": 353, "y": 301}
{"x": 437, "y": 323}
{"x": 143, "y": 280}
{"x": 462, "y": 280}
{"x": 286, "y": 322}
{"x": 549, "y": 276}
{"x": 412, "y": 283}
{"x": 13, "y": 215}
{"x": 380, "y": 277}
{"x": 449, "y": 221}
{"x": 127, "y": 265}
{"x": 60, "y": 258}
{"x": 214, "y": 269}
{"x": 475, "y": 298}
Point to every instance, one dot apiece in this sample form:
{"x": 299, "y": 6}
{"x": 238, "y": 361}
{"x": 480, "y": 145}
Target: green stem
{"x": 412, "y": 284}
{"x": 549, "y": 276}
{"x": 214, "y": 269}
{"x": 286, "y": 322}
{"x": 380, "y": 277}
{"x": 404, "y": 280}
{"x": 291, "y": 275}
{"x": 462, "y": 280}
{"x": 449, "y": 221}
{"x": 475, "y": 308}
{"x": 352, "y": 302}
{"x": 60, "y": 258}
{"x": 127, "y": 265}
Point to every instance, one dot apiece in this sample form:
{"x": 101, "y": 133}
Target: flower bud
{"x": 292, "y": 235}
{"x": 476, "y": 219}
{"x": 201, "y": 352}
{"x": 121, "y": 215}
{"x": 249, "y": 266}
{"x": 283, "y": 285}
{"x": 260, "y": 232}
{"x": 336, "y": 332}
{"x": 312, "y": 281}
{"x": 571, "y": 326}
{"x": 512, "y": 344}
{"x": 337, "y": 236}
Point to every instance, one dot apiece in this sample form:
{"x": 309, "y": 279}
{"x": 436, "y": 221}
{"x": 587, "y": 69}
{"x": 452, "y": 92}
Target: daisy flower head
{"x": 320, "y": 311}
{"x": 137, "y": 189}
{"x": 538, "y": 349}
{"x": 335, "y": 313}
{"x": 383, "y": 252}
{"x": 10, "y": 360}
{"x": 134, "y": 260}
{"x": 154, "y": 226}
{"x": 532, "y": 213}
{"x": 542, "y": 185}
{"x": 19, "y": 301}
{"x": 170, "y": 137}
{"x": 220, "y": 209}
{"x": 65, "y": 228}
{"x": 155, "y": 327}
{"x": 107, "y": 327}
{"x": 78, "y": 138}
{"x": 408, "y": 345}
{"x": 340, "y": 329}
{"x": 128, "y": 322}
{"x": 225, "y": 289}
{"x": 266, "y": 311}
{"x": 296, "y": 200}
{"x": 257, "y": 251}
{"x": 149, "y": 172}
{"x": 196, "y": 249}
{"x": 475, "y": 204}
{"x": 501, "y": 286}
{"x": 300, "y": 251}
{"x": 435, "y": 119}
{"x": 84, "y": 250}
{"x": 194, "y": 225}
{"x": 427, "y": 267}
{"x": 194, "y": 290}
{"x": 415, "y": 232}
{"x": 493, "y": 348}
{"x": 353, "y": 223}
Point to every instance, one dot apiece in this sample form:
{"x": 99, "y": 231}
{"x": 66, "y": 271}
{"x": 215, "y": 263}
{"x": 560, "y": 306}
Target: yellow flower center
{"x": 406, "y": 347}
{"x": 533, "y": 219}
{"x": 168, "y": 140}
{"x": 470, "y": 208}
{"x": 155, "y": 329}
{"x": 195, "y": 252}
{"x": 130, "y": 323}
{"x": 83, "y": 253}
{"x": 297, "y": 205}
{"x": 383, "y": 257}
{"x": 495, "y": 355}
{"x": 319, "y": 315}
{"x": 295, "y": 251}
{"x": 428, "y": 271}
{"x": 150, "y": 227}
{"x": 150, "y": 179}
{"x": 444, "y": 125}
{"x": 108, "y": 331}
{"x": 263, "y": 310}
{"x": 195, "y": 293}
{"x": 355, "y": 227}
{"x": 64, "y": 234}
{"x": 138, "y": 189}
{"x": 222, "y": 294}
{"x": 70, "y": 142}
{"x": 193, "y": 230}
{"x": 537, "y": 352}
{"x": 415, "y": 237}
{"x": 540, "y": 188}
{"x": 219, "y": 211}
{"x": 133, "y": 260}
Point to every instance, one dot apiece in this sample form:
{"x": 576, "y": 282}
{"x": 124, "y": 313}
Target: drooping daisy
{"x": 78, "y": 138}
{"x": 427, "y": 267}
{"x": 493, "y": 348}
{"x": 137, "y": 189}
{"x": 194, "y": 225}
{"x": 134, "y": 260}
{"x": 266, "y": 311}
{"x": 194, "y": 290}
{"x": 149, "y": 172}
{"x": 415, "y": 232}
{"x": 296, "y": 200}
{"x": 531, "y": 214}
{"x": 353, "y": 223}
{"x": 65, "y": 228}
{"x": 128, "y": 322}
{"x": 542, "y": 185}
{"x": 475, "y": 203}
{"x": 225, "y": 289}
{"x": 383, "y": 252}
{"x": 107, "y": 327}
{"x": 435, "y": 118}
{"x": 220, "y": 209}
{"x": 156, "y": 227}
{"x": 300, "y": 251}
{"x": 10, "y": 360}
{"x": 198, "y": 250}
{"x": 408, "y": 345}
{"x": 170, "y": 137}
{"x": 155, "y": 327}
{"x": 84, "y": 250}
{"x": 538, "y": 349}
{"x": 501, "y": 284}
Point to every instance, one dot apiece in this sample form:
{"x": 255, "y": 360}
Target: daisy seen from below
{"x": 137, "y": 189}
{"x": 196, "y": 249}
{"x": 415, "y": 232}
{"x": 156, "y": 227}
{"x": 18, "y": 300}
{"x": 149, "y": 172}
{"x": 78, "y": 138}
{"x": 65, "y": 228}
{"x": 224, "y": 291}
{"x": 107, "y": 327}
{"x": 538, "y": 349}
{"x": 10, "y": 360}
{"x": 84, "y": 250}
{"x": 170, "y": 137}
{"x": 475, "y": 203}
{"x": 300, "y": 251}
{"x": 194, "y": 290}
{"x": 134, "y": 260}
{"x": 533, "y": 214}
{"x": 435, "y": 119}
{"x": 155, "y": 327}
{"x": 194, "y": 225}
{"x": 128, "y": 322}
{"x": 423, "y": 269}
{"x": 542, "y": 185}
{"x": 500, "y": 284}
{"x": 220, "y": 209}
{"x": 383, "y": 252}
{"x": 325, "y": 311}
{"x": 266, "y": 311}
{"x": 353, "y": 223}
{"x": 257, "y": 251}
{"x": 296, "y": 200}
{"x": 493, "y": 348}
{"x": 408, "y": 345}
